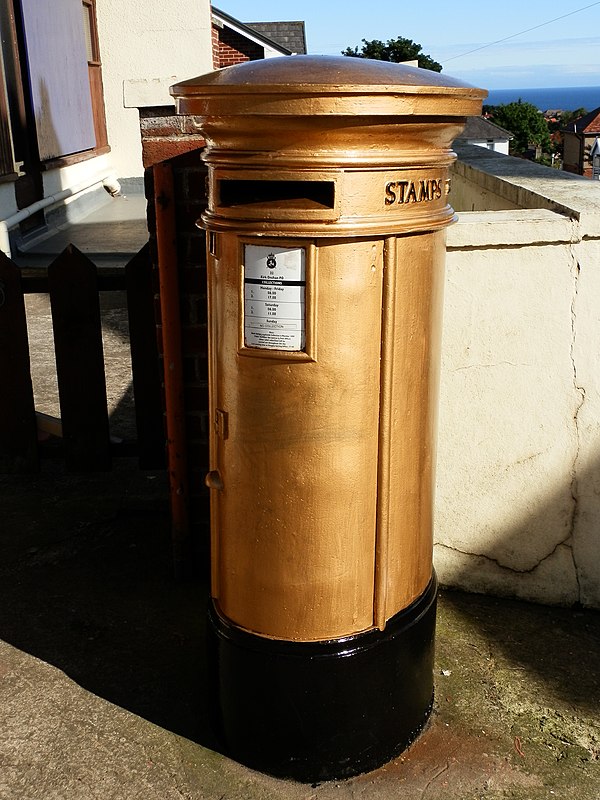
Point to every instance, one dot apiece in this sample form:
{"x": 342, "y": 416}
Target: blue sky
{"x": 562, "y": 53}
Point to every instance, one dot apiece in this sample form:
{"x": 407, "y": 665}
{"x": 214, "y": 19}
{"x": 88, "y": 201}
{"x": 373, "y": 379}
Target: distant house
{"x": 595, "y": 159}
{"x": 235, "y": 42}
{"x": 580, "y": 137}
{"x": 483, "y": 133}
{"x": 288, "y": 34}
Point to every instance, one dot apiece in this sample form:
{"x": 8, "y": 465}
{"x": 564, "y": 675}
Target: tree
{"x": 525, "y": 122}
{"x": 566, "y": 117}
{"x": 396, "y": 50}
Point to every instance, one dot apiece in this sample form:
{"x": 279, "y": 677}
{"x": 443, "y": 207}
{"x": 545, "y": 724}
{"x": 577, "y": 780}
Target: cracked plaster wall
{"x": 586, "y": 358}
{"x": 518, "y": 490}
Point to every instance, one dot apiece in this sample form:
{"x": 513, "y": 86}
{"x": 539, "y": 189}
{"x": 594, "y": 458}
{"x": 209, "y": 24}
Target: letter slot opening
{"x": 301, "y": 195}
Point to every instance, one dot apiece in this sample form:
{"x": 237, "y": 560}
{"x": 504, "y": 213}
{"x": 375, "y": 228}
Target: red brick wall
{"x": 169, "y": 137}
{"x": 166, "y": 135}
{"x": 215, "y": 47}
{"x": 233, "y": 48}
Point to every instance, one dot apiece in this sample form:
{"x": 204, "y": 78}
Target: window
{"x": 90, "y": 31}
{"x": 51, "y": 94}
{"x": 65, "y": 84}
{"x": 11, "y": 95}
{"x": 7, "y": 158}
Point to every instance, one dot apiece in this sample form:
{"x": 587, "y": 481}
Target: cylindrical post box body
{"x": 326, "y": 245}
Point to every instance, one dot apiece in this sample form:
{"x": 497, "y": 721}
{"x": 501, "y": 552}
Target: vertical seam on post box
{"x": 382, "y": 528}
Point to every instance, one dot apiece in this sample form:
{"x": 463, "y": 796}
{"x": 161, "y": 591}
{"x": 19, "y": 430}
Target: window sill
{"x": 75, "y": 158}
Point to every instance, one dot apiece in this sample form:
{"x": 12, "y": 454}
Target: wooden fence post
{"x": 73, "y": 288}
{"x": 18, "y": 433}
{"x": 145, "y": 368}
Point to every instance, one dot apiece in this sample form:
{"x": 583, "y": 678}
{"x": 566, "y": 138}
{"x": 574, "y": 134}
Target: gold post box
{"x": 328, "y": 200}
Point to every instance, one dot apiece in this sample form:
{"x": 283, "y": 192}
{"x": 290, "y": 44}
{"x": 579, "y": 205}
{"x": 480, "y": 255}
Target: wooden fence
{"x": 74, "y": 284}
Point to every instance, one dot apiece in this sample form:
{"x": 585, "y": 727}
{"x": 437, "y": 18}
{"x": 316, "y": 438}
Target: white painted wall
{"x": 57, "y": 179}
{"x": 270, "y": 52}
{"x": 498, "y": 146}
{"x": 159, "y": 42}
{"x": 518, "y": 500}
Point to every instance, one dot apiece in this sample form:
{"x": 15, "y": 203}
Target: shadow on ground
{"x": 88, "y": 587}
{"x": 560, "y": 646}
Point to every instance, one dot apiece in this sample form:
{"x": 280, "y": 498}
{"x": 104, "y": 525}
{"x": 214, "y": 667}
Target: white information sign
{"x": 274, "y": 297}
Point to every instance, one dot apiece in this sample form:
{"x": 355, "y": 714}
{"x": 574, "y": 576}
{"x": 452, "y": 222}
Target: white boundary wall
{"x": 518, "y": 495}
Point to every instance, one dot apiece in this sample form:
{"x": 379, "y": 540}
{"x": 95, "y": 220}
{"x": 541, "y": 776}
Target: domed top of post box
{"x": 325, "y": 85}
{"x": 326, "y": 119}
{"x": 327, "y": 110}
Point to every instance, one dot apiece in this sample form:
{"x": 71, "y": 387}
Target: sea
{"x": 563, "y": 98}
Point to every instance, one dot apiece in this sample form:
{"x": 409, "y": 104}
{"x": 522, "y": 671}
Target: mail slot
{"x": 299, "y": 195}
{"x": 328, "y": 203}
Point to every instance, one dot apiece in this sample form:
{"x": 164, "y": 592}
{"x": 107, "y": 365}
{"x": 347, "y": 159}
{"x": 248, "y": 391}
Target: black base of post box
{"x": 316, "y": 711}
